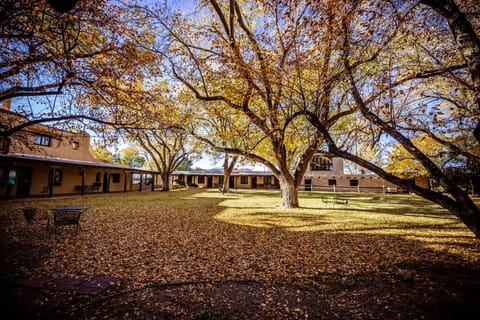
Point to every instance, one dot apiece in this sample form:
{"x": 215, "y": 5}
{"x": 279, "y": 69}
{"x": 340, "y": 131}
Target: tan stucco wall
{"x": 366, "y": 183}
{"x": 61, "y": 142}
{"x": 72, "y": 181}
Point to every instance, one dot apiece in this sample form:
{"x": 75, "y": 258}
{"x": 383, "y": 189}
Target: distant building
{"x": 238, "y": 179}
{"x": 42, "y": 160}
{"x": 324, "y": 173}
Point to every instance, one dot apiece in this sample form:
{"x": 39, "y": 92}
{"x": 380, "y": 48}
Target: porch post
{"x": 141, "y": 182}
{"x": 12, "y": 178}
{"x": 82, "y": 188}
{"x": 50, "y": 181}
{"x": 106, "y": 181}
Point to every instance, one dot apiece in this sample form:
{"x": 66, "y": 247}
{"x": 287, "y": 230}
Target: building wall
{"x": 243, "y": 182}
{"x": 331, "y": 177}
{"x": 56, "y": 147}
{"x": 61, "y": 144}
{"x": 348, "y": 183}
{"x": 325, "y": 173}
{"x": 71, "y": 182}
{"x": 262, "y": 182}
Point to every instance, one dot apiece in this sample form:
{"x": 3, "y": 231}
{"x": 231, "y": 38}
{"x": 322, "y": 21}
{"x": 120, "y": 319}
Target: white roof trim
{"x": 98, "y": 164}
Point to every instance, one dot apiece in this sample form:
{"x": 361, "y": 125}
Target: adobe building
{"x": 238, "y": 179}
{"x": 324, "y": 173}
{"x": 41, "y": 160}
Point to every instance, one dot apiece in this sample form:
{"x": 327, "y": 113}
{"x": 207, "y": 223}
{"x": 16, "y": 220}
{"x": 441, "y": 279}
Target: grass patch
{"x": 399, "y": 215}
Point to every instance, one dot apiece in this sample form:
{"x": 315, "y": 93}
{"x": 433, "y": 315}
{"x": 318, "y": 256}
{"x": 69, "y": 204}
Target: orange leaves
{"x": 176, "y": 237}
{"x": 173, "y": 246}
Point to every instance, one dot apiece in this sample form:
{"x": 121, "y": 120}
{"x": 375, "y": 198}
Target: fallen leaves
{"x": 201, "y": 236}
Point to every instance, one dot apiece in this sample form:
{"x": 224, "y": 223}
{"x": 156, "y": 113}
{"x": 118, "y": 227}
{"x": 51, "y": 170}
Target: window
{"x": 115, "y": 177}
{"x": 353, "y": 183}
{"x": 244, "y": 180}
{"x": 136, "y": 178}
{"x": 98, "y": 176}
{"x": 201, "y": 179}
{"x": 41, "y": 140}
{"x": 55, "y": 176}
{"x": 332, "y": 182}
{"x": 268, "y": 180}
{"x": 75, "y": 145}
{"x": 321, "y": 163}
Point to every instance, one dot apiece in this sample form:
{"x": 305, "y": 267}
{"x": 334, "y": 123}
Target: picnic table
{"x": 67, "y": 215}
{"x": 343, "y": 200}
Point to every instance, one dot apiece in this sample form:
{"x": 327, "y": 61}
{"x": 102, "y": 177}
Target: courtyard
{"x": 198, "y": 254}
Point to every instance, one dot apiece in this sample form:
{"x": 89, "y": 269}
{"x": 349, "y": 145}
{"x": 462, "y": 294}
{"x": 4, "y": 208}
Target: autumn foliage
{"x": 371, "y": 249}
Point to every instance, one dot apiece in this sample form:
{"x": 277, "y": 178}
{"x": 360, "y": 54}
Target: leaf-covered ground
{"x": 196, "y": 254}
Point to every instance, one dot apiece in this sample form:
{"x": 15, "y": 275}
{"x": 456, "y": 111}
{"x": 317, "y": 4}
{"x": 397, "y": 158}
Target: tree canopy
{"x": 270, "y": 81}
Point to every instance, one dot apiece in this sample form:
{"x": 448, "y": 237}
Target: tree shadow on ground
{"x": 250, "y": 272}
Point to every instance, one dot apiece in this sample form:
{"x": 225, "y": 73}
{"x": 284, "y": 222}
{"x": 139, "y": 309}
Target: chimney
{"x": 6, "y": 104}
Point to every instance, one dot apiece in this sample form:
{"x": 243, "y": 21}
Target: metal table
{"x": 67, "y": 215}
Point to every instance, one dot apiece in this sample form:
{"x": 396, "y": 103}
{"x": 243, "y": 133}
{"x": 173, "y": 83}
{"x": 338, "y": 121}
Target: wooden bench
{"x": 67, "y": 216}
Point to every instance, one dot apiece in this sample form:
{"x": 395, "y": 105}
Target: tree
{"x": 256, "y": 59}
{"x": 102, "y": 153}
{"x": 228, "y": 166}
{"x": 44, "y": 51}
{"x": 131, "y": 156}
{"x": 47, "y": 53}
{"x": 185, "y": 165}
{"x": 389, "y": 64}
{"x": 466, "y": 40}
{"x": 219, "y": 128}
{"x": 167, "y": 147}
{"x": 404, "y": 165}
{"x": 62, "y": 5}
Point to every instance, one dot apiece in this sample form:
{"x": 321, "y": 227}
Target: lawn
{"x": 241, "y": 256}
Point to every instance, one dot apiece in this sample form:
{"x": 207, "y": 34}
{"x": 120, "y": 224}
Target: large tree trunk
{"x": 289, "y": 193}
{"x": 226, "y": 182}
{"x": 467, "y": 211}
{"x": 227, "y": 171}
{"x": 166, "y": 181}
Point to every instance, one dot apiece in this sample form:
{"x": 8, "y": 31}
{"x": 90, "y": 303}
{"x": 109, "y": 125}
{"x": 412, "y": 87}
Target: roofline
{"x": 217, "y": 173}
{"x": 56, "y": 160}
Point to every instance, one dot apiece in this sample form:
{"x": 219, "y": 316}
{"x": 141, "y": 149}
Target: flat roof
{"x": 218, "y": 173}
{"x": 57, "y": 160}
